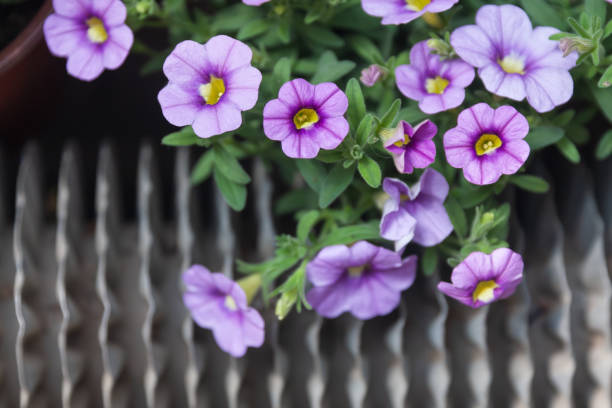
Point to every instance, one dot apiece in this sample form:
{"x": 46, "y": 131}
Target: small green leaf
{"x": 543, "y": 13}
{"x": 542, "y": 136}
{"x": 184, "y": 137}
{"x": 323, "y": 36}
{"x": 579, "y": 29}
{"x": 329, "y": 69}
{"x": 569, "y": 150}
{"x": 606, "y": 79}
{"x": 390, "y": 115}
{"x": 469, "y": 197}
{"x": 253, "y": 29}
{"x": 307, "y": 221}
{"x": 314, "y": 173}
{"x": 457, "y": 216}
{"x": 350, "y": 234}
{"x": 364, "y": 130}
{"x": 202, "y": 168}
{"x": 604, "y": 147}
{"x": 233, "y": 18}
{"x": 366, "y": 49}
{"x": 335, "y": 183}
{"x": 595, "y": 8}
{"x": 284, "y": 31}
{"x": 282, "y": 71}
{"x": 312, "y": 16}
{"x": 233, "y": 193}
{"x": 370, "y": 171}
{"x": 330, "y": 156}
{"x": 608, "y": 30}
{"x": 429, "y": 261}
{"x": 604, "y": 100}
{"x": 356, "y": 109}
{"x": 530, "y": 183}
{"x": 229, "y": 166}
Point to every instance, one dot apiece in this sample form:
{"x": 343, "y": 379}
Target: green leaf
{"x": 314, "y": 173}
{"x": 202, "y": 168}
{"x": 606, "y": 79}
{"x": 530, "y": 183}
{"x": 604, "y": 100}
{"x": 542, "y": 136}
{"x": 364, "y": 130}
{"x": 370, "y": 171}
{"x": 580, "y": 30}
{"x": 284, "y": 31}
{"x": 390, "y": 115}
{"x": 233, "y": 193}
{"x": 366, "y": 49}
{"x": 356, "y": 109}
{"x": 307, "y": 221}
{"x": 569, "y": 150}
{"x": 596, "y": 8}
{"x": 330, "y": 156}
{"x": 543, "y": 13}
{"x": 335, "y": 183}
{"x": 233, "y": 18}
{"x": 429, "y": 261}
{"x": 350, "y": 234}
{"x": 184, "y": 137}
{"x": 329, "y": 69}
{"x": 282, "y": 71}
{"x": 457, "y": 216}
{"x": 323, "y": 36}
{"x": 229, "y": 166}
{"x": 253, "y": 29}
{"x": 312, "y": 16}
{"x": 469, "y": 197}
{"x": 608, "y": 30}
{"x": 604, "y": 147}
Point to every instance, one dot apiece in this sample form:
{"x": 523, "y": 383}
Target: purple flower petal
{"x": 410, "y": 82}
{"x": 500, "y": 83}
{"x": 243, "y": 87}
{"x": 117, "y": 48}
{"x": 401, "y": 276}
{"x": 328, "y": 265}
{"x": 451, "y": 98}
{"x": 226, "y": 54}
{"x": 298, "y": 92}
{"x": 511, "y": 123}
{"x": 85, "y": 62}
{"x": 63, "y": 34}
{"x": 330, "y": 100}
{"x": 371, "y": 298}
{"x": 254, "y": 2}
{"x": 473, "y": 45}
{"x": 330, "y": 132}
{"x": 70, "y": 8}
{"x": 461, "y": 295}
{"x": 506, "y": 26}
{"x": 187, "y": 64}
{"x": 433, "y": 224}
{"x": 545, "y": 52}
{"x": 179, "y": 106}
{"x": 113, "y": 12}
{"x": 548, "y": 87}
{"x": 300, "y": 146}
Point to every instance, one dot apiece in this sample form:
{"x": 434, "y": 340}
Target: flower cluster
{"x": 375, "y": 189}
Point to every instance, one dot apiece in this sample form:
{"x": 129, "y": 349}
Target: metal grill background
{"x": 91, "y": 312}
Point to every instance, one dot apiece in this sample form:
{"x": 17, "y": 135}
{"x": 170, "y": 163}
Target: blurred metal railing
{"x": 91, "y": 313}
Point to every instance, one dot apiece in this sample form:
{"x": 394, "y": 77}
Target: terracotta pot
{"x": 29, "y": 79}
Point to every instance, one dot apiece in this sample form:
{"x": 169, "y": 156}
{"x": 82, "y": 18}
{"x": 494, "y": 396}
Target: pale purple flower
{"x": 306, "y": 118}
{"x": 481, "y": 278}
{"x": 254, "y": 2}
{"x": 487, "y": 143}
{"x": 362, "y": 279}
{"x": 437, "y": 85}
{"x": 92, "y": 34}
{"x": 219, "y": 304}
{"x": 404, "y": 11}
{"x": 515, "y": 60}
{"x": 412, "y": 148}
{"x": 416, "y": 212}
{"x": 209, "y": 85}
{"x": 371, "y": 75}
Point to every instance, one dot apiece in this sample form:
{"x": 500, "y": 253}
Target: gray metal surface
{"x": 91, "y": 313}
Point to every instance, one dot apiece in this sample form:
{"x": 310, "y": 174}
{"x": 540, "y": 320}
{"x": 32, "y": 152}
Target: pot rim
{"x": 27, "y": 39}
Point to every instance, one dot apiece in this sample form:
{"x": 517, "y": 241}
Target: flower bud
{"x": 371, "y": 75}
{"x": 285, "y": 304}
{"x": 250, "y": 285}
{"x": 440, "y": 47}
{"x": 575, "y": 43}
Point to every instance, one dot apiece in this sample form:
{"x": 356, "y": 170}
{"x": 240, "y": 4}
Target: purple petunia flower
{"x": 306, "y": 118}
{"x": 209, "y": 85}
{"x": 412, "y": 148}
{"x": 404, "y": 11}
{"x": 487, "y": 143}
{"x": 481, "y": 279}
{"x": 363, "y": 279}
{"x": 254, "y": 2}
{"x": 371, "y": 75}
{"x": 219, "y": 304}
{"x": 437, "y": 85}
{"x": 92, "y": 34}
{"x": 515, "y": 60}
{"x": 416, "y": 212}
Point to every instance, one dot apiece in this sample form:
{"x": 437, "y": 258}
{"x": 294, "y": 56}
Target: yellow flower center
{"x": 417, "y": 5}
{"x": 436, "y": 85}
{"x": 485, "y": 291}
{"x": 512, "y": 65}
{"x": 212, "y": 91}
{"x": 356, "y": 271}
{"x": 404, "y": 142}
{"x": 96, "y": 32}
{"x": 487, "y": 144}
{"x": 305, "y": 118}
{"x": 230, "y": 303}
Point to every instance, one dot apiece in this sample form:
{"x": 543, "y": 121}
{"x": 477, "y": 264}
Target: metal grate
{"x": 91, "y": 313}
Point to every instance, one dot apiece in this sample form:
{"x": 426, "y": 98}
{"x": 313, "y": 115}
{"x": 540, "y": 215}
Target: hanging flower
{"x": 254, "y": 2}
{"x": 437, "y": 85}
{"x": 92, "y": 34}
{"x": 306, "y": 118}
{"x": 481, "y": 278}
{"x": 487, "y": 143}
{"x": 371, "y": 75}
{"x": 513, "y": 59}
{"x": 404, "y": 11}
{"x": 412, "y": 148}
{"x": 220, "y": 304}
{"x": 363, "y": 279}
{"x": 416, "y": 212}
{"x": 209, "y": 85}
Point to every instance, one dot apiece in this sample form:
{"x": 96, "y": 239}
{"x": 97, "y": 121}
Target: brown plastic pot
{"x": 29, "y": 80}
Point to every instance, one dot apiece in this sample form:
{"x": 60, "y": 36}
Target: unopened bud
{"x": 440, "y": 47}
{"x": 285, "y": 304}
{"x": 250, "y": 285}
{"x": 371, "y": 75}
{"x": 575, "y": 43}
